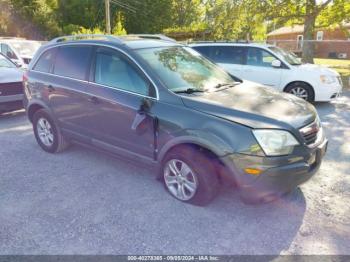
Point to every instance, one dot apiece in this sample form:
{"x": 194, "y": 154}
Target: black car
{"x": 11, "y": 89}
{"x": 162, "y": 104}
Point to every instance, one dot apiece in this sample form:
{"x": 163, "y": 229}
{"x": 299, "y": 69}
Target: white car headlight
{"x": 275, "y": 142}
{"x": 327, "y": 79}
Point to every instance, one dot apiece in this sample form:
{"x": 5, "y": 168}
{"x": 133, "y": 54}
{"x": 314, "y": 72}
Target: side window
{"x": 236, "y": 54}
{"x": 229, "y": 54}
{"x": 259, "y": 57}
{"x": 112, "y": 69}
{"x": 7, "y": 51}
{"x": 72, "y": 61}
{"x": 45, "y": 61}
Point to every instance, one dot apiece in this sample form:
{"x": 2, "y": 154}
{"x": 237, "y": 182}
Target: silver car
{"x": 11, "y": 90}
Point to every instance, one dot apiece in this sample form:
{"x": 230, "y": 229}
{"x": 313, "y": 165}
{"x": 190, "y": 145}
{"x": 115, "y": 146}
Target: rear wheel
{"x": 189, "y": 176}
{"x": 301, "y": 90}
{"x": 47, "y": 133}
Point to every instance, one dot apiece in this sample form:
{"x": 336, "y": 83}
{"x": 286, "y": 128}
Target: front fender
{"x": 200, "y": 138}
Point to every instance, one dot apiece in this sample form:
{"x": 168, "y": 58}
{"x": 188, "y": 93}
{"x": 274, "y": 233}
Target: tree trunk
{"x": 309, "y": 29}
{"x": 308, "y": 46}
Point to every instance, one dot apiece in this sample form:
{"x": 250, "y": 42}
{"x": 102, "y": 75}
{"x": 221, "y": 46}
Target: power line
{"x": 95, "y": 21}
{"x": 124, "y": 5}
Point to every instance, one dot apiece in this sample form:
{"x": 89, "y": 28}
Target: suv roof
{"x": 132, "y": 41}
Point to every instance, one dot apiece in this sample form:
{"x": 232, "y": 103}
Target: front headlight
{"x": 275, "y": 142}
{"x": 327, "y": 79}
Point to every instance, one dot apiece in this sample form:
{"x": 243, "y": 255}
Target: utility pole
{"x": 108, "y": 17}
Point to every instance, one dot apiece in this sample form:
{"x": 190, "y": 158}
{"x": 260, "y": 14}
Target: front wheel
{"x": 47, "y": 133}
{"x": 301, "y": 90}
{"x": 189, "y": 176}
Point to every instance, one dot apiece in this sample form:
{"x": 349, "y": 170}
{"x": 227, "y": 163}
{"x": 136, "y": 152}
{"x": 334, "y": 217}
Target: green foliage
{"x": 87, "y": 31}
{"x": 220, "y": 19}
{"x": 151, "y": 17}
{"x": 119, "y": 29}
{"x": 34, "y": 17}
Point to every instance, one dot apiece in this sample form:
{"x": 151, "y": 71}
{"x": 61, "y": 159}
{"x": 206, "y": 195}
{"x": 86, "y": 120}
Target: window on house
{"x": 319, "y": 36}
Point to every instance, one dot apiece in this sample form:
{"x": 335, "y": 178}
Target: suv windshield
{"x": 4, "y": 62}
{"x": 26, "y": 48}
{"x": 182, "y": 68}
{"x": 290, "y": 57}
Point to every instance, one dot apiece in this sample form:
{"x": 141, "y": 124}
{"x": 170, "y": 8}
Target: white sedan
{"x": 11, "y": 89}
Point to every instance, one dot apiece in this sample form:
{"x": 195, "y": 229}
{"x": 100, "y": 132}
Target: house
{"x": 329, "y": 42}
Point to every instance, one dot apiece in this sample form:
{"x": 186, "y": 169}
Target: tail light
{"x": 25, "y": 77}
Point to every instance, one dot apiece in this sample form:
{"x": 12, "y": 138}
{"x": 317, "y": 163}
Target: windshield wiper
{"x": 189, "y": 91}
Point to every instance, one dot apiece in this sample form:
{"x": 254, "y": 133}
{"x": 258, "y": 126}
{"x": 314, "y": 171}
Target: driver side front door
{"x": 121, "y": 98}
{"x": 258, "y": 68}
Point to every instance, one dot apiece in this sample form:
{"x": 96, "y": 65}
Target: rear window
{"x": 72, "y": 61}
{"x": 45, "y": 61}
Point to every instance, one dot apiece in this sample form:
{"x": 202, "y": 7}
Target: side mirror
{"x": 276, "y": 63}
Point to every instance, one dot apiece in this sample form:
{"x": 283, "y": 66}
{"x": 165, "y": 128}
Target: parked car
{"x": 162, "y": 104}
{"x": 19, "y": 50}
{"x": 274, "y": 67}
{"x": 11, "y": 89}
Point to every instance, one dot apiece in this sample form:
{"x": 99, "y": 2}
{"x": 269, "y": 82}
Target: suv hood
{"x": 10, "y": 75}
{"x": 253, "y": 105}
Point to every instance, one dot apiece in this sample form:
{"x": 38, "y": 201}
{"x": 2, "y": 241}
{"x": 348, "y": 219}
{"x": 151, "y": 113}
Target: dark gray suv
{"x": 162, "y": 104}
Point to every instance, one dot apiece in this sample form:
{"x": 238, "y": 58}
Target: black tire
{"x": 59, "y": 142}
{"x": 204, "y": 170}
{"x": 293, "y": 87}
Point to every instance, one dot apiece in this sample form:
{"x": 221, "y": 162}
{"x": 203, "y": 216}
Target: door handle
{"x": 139, "y": 118}
{"x": 51, "y": 88}
{"x": 93, "y": 99}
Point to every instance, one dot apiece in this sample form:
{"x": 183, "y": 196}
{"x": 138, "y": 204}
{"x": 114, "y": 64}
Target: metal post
{"x": 108, "y": 18}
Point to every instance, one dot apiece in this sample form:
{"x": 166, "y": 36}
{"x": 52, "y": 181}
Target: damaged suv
{"x": 160, "y": 103}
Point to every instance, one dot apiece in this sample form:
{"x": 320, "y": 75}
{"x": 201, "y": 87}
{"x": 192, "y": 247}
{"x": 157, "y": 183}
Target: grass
{"x": 341, "y": 66}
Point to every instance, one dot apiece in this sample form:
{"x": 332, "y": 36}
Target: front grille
{"x": 27, "y": 60}
{"x": 310, "y": 132}
{"x": 9, "y": 89}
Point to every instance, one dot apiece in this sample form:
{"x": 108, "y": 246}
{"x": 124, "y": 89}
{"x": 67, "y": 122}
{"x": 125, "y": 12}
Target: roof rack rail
{"x": 154, "y": 36}
{"x": 85, "y": 37}
{"x": 14, "y": 38}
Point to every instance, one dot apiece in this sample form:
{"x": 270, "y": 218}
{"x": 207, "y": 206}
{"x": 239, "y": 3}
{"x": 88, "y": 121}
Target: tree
{"x": 311, "y": 13}
{"x": 150, "y": 17}
{"x": 34, "y": 18}
{"x": 240, "y": 19}
{"x": 185, "y": 13}
{"x": 119, "y": 29}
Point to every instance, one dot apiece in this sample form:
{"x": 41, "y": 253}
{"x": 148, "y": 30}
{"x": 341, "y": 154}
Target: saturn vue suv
{"x": 161, "y": 104}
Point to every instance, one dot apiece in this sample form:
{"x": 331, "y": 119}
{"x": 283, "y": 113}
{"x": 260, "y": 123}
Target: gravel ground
{"x": 85, "y": 202}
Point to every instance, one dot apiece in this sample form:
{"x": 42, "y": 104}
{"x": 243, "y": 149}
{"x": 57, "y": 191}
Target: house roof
{"x": 287, "y": 30}
{"x": 294, "y": 29}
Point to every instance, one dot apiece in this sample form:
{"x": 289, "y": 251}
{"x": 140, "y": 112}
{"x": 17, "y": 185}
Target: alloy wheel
{"x": 300, "y": 92}
{"x": 45, "y": 132}
{"x": 180, "y": 179}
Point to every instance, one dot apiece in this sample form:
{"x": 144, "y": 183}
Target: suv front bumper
{"x": 280, "y": 174}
